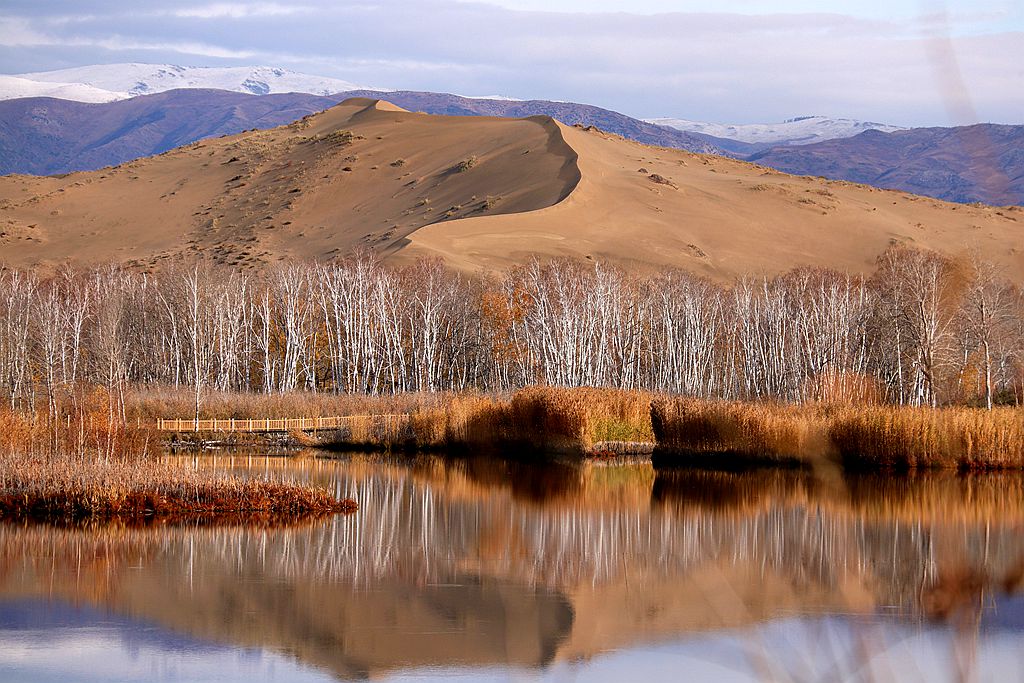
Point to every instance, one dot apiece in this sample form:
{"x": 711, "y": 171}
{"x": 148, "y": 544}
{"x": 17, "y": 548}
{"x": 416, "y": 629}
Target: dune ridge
{"x": 482, "y": 193}
{"x": 720, "y": 218}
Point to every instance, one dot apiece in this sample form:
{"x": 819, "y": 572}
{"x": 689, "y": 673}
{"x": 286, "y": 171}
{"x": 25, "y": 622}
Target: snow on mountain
{"x": 497, "y": 98}
{"x": 129, "y": 80}
{"x": 12, "y": 87}
{"x": 802, "y": 130}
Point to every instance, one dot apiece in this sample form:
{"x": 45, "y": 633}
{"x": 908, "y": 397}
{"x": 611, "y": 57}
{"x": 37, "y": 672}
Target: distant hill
{"x": 802, "y": 130}
{"x": 980, "y": 163}
{"x": 42, "y": 136}
{"x": 983, "y": 163}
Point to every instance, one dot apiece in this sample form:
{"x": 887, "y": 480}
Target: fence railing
{"x": 301, "y": 424}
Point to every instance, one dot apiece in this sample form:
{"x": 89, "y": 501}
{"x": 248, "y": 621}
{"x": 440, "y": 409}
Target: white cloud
{"x": 735, "y": 67}
{"x": 17, "y": 31}
{"x": 234, "y": 10}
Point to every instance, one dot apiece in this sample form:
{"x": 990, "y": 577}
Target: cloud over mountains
{"x": 710, "y": 66}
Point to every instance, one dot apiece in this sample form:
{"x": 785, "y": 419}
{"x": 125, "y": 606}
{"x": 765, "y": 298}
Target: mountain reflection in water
{"x": 484, "y": 565}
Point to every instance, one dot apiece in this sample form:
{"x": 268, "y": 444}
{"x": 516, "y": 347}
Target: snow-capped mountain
{"x": 802, "y": 130}
{"x": 108, "y": 82}
{"x": 12, "y": 87}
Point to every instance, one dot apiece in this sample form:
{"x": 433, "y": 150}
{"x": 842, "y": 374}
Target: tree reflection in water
{"x": 481, "y": 562}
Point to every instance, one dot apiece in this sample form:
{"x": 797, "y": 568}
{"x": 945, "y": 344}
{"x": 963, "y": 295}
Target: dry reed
{"x": 907, "y": 438}
{"x": 73, "y": 489}
{"x": 151, "y": 402}
{"x": 86, "y": 461}
{"x": 540, "y": 419}
{"x": 870, "y": 437}
{"x": 726, "y": 433}
{"x": 575, "y": 420}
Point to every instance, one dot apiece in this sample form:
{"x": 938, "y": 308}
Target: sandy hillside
{"x": 646, "y": 206}
{"x": 479, "y": 192}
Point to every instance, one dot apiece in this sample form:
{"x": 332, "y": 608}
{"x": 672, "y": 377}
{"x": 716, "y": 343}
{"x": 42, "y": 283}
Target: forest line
{"x": 922, "y": 330}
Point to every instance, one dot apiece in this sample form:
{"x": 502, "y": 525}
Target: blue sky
{"x": 909, "y": 62}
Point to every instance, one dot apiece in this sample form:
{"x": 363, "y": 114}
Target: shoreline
{"x": 68, "y": 474}
{"x": 540, "y": 422}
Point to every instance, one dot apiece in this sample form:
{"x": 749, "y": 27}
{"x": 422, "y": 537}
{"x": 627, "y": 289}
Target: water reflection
{"x": 484, "y": 563}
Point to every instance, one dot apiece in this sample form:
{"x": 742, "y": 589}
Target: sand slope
{"x": 720, "y": 218}
{"x": 479, "y": 192}
{"x": 362, "y": 174}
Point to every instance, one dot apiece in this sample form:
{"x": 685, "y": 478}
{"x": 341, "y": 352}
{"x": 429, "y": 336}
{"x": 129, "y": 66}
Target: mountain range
{"x": 980, "y": 163}
{"x": 110, "y": 82}
{"x": 43, "y": 136}
{"x": 802, "y": 130}
{"x": 44, "y": 130}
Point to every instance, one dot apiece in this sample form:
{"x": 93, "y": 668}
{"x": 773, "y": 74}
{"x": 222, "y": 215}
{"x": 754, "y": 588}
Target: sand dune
{"x": 646, "y": 207}
{"x": 479, "y": 192}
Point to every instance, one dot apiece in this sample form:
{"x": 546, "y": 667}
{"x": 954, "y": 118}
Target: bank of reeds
{"x": 70, "y": 489}
{"x": 535, "y": 419}
{"x": 82, "y": 461}
{"x": 577, "y": 420}
{"x": 908, "y": 438}
{"x": 151, "y": 402}
{"x": 78, "y": 426}
{"x": 723, "y": 434}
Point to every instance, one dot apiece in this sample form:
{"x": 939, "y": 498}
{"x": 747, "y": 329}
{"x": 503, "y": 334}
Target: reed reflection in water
{"x": 480, "y": 563}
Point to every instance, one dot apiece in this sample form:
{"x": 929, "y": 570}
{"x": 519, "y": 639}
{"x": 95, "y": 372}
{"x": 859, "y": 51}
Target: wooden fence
{"x": 299, "y": 424}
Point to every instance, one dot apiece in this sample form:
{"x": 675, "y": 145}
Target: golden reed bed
{"x": 859, "y": 437}
{"x": 709, "y": 432}
{"x": 70, "y": 489}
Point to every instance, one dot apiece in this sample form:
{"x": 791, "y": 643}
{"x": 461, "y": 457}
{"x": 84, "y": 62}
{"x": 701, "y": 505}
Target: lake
{"x": 490, "y": 569}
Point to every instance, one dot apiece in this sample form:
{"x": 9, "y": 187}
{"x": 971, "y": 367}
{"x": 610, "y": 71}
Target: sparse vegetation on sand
{"x": 338, "y": 137}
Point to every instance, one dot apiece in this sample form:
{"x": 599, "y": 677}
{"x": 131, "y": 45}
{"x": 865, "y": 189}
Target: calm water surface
{"x": 481, "y": 569}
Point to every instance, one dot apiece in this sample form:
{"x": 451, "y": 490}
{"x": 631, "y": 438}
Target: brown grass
{"x": 149, "y": 403}
{"x": 575, "y": 420}
{"x": 536, "y": 419}
{"x": 907, "y": 438}
{"x": 742, "y": 433}
{"x": 861, "y": 437}
{"x": 73, "y": 489}
{"x": 82, "y": 424}
{"x": 547, "y": 419}
{"x": 80, "y": 465}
